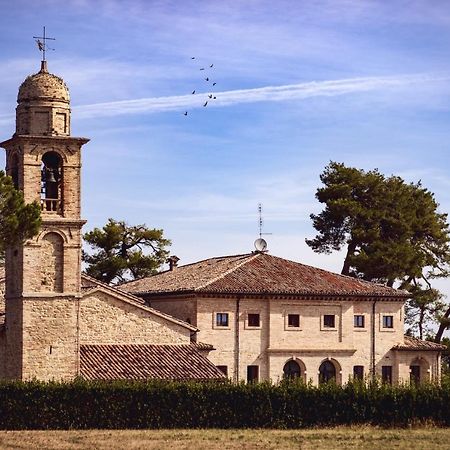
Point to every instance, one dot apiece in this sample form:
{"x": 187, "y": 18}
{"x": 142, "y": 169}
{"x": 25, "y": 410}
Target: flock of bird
{"x": 210, "y": 96}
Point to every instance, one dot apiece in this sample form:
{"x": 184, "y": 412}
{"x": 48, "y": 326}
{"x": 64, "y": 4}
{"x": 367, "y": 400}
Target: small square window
{"x": 358, "y": 372}
{"x": 388, "y": 321}
{"x": 293, "y": 320}
{"x": 253, "y": 320}
{"x": 223, "y": 369}
{"x": 386, "y": 374}
{"x": 222, "y": 319}
{"x": 252, "y": 374}
{"x": 329, "y": 321}
{"x": 358, "y": 321}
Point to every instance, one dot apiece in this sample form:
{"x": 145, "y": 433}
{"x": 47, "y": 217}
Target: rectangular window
{"x": 388, "y": 321}
{"x": 358, "y": 321}
{"x": 386, "y": 374}
{"x": 222, "y": 319}
{"x": 293, "y": 320}
{"x": 329, "y": 321}
{"x": 253, "y": 320}
{"x": 223, "y": 369}
{"x": 358, "y": 372}
{"x": 252, "y": 374}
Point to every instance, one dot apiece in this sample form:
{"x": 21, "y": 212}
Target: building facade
{"x": 269, "y": 318}
{"x": 58, "y": 324}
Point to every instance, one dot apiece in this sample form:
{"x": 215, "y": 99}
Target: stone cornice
{"x": 43, "y": 139}
{"x": 296, "y": 351}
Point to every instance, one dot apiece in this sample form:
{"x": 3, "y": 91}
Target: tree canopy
{"x": 391, "y": 230}
{"x": 18, "y": 221}
{"x": 122, "y": 252}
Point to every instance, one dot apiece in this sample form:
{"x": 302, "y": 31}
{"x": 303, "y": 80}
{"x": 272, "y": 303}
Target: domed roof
{"x": 43, "y": 86}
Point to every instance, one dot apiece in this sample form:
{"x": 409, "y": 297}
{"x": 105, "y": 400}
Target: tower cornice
{"x": 43, "y": 139}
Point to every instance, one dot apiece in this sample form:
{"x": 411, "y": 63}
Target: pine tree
{"x": 391, "y": 230}
{"x": 18, "y": 221}
{"x": 123, "y": 252}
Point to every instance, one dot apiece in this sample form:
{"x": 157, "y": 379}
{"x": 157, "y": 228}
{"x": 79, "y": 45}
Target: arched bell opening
{"x": 329, "y": 371}
{"x": 419, "y": 371}
{"x": 294, "y": 369}
{"x": 51, "y": 182}
{"x": 13, "y": 170}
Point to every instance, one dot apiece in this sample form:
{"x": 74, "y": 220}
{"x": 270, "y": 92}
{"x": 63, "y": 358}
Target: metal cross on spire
{"x": 42, "y": 44}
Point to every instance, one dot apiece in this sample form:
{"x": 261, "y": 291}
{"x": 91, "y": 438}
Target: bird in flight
{"x": 193, "y": 57}
{"x": 210, "y": 96}
{"x": 206, "y": 79}
{"x": 193, "y": 91}
{"x": 202, "y": 68}
{"x": 185, "y": 113}
{"x": 214, "y": 83}
{"x": 205, "y": 103}
{"x": 211, "y": 65}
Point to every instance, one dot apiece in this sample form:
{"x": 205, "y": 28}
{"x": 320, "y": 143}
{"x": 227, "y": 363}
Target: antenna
{"x": 42, "y": 45}
{"x": 261, "y": 244}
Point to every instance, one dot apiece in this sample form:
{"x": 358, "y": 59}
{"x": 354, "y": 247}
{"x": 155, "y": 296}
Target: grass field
{"x": 335, "y": 438}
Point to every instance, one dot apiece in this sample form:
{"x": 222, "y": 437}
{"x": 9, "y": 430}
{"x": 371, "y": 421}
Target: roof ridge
{"x": 251, "y": 257}
{"x": 340, "y": 274}
{"x": 186, "y": 265}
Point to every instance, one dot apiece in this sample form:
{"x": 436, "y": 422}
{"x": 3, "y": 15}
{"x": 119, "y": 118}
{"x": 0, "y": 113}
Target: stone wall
{"x": 105, "y": 319}
{"x": 50, "y": 348}
{"x": 271, "y": 345}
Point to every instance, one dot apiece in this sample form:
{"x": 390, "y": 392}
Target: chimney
{"x": 173, "y": 261}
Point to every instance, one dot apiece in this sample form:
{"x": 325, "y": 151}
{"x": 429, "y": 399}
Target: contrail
{"x": 287, "y": 92}
{"x": 264, "y": 94}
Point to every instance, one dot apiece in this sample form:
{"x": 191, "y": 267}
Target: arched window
{"x": 51, "y": 182}
{"x": 291, "y": 369}
{"x": 14, "y": 170}
{"x": 419, "y": 371}
{"x": 52, "y": 247}
{"x": 327, "y": 372}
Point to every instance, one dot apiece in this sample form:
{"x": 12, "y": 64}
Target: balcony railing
{"x": 51, "y": 205}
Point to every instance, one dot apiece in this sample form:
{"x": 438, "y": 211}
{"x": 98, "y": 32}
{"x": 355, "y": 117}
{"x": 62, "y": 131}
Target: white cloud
{"x": 265, "y": 94}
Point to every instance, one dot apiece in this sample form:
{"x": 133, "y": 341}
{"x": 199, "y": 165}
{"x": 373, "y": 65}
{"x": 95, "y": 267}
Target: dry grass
{"x": 335, "y": 438}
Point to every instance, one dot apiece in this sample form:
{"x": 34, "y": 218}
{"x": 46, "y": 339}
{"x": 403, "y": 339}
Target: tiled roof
{"x": 412, "y": 343}
{"x": 257, "y": 273}
{"x": 141, "y": 362}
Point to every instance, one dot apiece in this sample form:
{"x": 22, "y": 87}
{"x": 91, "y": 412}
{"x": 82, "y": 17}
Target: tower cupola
{"x": 43, "y": 105}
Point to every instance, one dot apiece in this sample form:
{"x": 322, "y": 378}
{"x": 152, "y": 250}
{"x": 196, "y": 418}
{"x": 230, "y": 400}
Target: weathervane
{"x": 42, "y": 44}
{"x": 260, "y": 243}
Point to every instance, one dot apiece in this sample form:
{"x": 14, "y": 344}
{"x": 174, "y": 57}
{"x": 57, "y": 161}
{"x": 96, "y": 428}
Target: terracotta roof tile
{"x": 412, "y": 343}
{"x": 141, "y": 362}
{"x": 257, "y": 273}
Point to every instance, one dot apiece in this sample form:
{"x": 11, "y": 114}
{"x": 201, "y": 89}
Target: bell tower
{"x": 43, "y": 275}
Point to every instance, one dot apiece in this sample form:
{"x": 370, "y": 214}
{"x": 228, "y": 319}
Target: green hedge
{"x": 82, "y": 405}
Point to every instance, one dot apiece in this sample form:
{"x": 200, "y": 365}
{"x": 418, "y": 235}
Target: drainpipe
{"x": 237, "y": 340}
{"x": 373, "y": 340}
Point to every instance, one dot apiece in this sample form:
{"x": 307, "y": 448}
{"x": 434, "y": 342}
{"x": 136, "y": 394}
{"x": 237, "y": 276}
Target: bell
{"x": 50, "y": 176}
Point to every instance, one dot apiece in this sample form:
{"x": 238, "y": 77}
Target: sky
{"x": 298, "y": 84}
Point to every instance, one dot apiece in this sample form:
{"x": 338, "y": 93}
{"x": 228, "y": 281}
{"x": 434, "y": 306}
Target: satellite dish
{"x": 260, "y": 245}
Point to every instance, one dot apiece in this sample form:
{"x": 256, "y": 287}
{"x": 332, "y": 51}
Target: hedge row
{"x": 83, "y": 405}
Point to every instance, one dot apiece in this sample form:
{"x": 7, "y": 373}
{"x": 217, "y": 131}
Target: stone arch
{"x": 13, "y": 168}
{"x": 51, "y": 181}
{"x": 52, "y": 263}
{"x": 51, "y": 230}
{"x": 419, "y": 370}
{"x": 294, "y": 368}
{"x": 330, "y": 370}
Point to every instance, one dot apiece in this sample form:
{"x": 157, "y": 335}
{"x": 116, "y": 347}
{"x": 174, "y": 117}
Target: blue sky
{"x": 299, "y": 83}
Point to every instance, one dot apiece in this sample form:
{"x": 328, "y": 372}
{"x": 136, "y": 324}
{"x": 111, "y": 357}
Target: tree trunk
{"x": 350, "y": 251}
{"x": 443, "y": 326}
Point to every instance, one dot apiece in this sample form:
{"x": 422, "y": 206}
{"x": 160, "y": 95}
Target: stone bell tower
{"x": 43, "y": 275}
